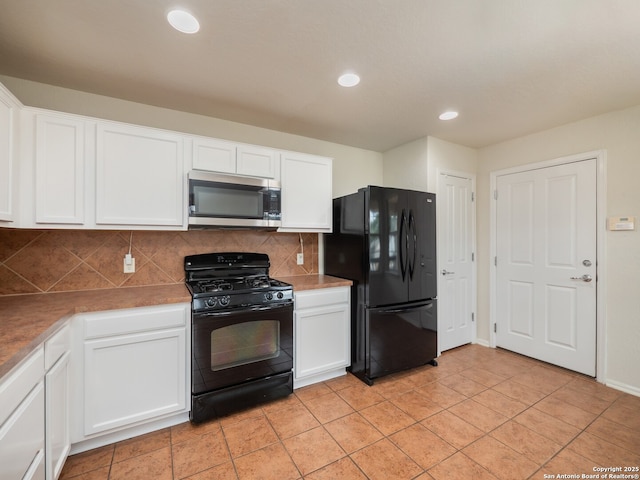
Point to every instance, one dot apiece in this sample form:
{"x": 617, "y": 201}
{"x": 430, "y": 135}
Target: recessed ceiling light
{"x": 183, "y": 21}
{"x": 348, "y": 80}
{"x": 448, "y": 115}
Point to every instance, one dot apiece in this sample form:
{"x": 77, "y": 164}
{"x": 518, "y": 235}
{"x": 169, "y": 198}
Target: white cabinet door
{"x": 139, "y": 176}
{"x": 322, "y": 335}
{"x": 60, "y": 168}
{"x": 57, "y": 354}
{"x": 22, "y": 438}
{"x": 8, "y": 121}
{"x": 131, "y": 378}
{"x": 306, "y": 193}
{"x": 214, "y": 155}
{"x": 57, "y": 442}
{"x": 255, "y": 161}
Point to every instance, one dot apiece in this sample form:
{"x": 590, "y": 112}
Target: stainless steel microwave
{"x": 231, "y": 201}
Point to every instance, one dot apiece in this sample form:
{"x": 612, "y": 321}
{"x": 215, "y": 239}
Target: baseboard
{"x": 623, "y": 387}
{"x": 482, "y": 342}
{"x": 320, "y": 377}
{"x": 109, "y": 438}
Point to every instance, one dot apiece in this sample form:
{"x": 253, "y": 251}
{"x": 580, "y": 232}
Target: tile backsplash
{"x": 34, "y": 261}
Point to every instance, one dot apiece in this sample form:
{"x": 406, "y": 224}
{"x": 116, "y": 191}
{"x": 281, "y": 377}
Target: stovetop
{"x": 233, "y": 285}
{"x": 220, "y": 281}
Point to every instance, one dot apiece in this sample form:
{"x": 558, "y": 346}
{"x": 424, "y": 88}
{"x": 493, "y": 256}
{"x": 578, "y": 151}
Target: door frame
{"x": 474, "y": 244}
{"x": 601, "y": 259}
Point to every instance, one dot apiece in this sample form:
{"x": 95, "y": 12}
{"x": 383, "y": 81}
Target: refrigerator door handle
{"x": 412, "y": 232}
{"x": 402, "y": 240}
{"x": 426, "y": 305}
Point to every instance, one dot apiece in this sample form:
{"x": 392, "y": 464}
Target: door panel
{"x": 455, "y": 265}
{"x": 521, "y": 311}
{"x": 546, "y": 243}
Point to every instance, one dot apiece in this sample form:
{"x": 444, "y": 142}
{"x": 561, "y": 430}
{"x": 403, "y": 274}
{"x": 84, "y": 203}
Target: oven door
{"x": 237, "y": 346}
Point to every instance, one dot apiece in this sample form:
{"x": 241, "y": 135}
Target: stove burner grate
{"x": 215, "y": 286}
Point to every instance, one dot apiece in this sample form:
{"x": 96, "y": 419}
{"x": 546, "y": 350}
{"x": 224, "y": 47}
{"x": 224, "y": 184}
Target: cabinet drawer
{"x": 22, "y": 437}
{"x": 56, "y": 346}
{"x": 321, "y": 297}
{"x": 20, "y": 382}
{"x": 120, "y": 322}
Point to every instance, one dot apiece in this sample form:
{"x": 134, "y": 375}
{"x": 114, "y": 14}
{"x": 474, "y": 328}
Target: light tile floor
{"x": 481, "y": 414}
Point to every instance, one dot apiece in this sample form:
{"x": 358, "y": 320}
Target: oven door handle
{"x": 222, "y": 313}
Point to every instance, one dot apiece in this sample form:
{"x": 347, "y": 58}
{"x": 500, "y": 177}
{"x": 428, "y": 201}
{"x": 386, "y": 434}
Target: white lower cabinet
{"x": 22, "y": 409}
{"x": 57, "y": 401}
{"x": 322, "y": 335}
{"x": 134, "y": 368}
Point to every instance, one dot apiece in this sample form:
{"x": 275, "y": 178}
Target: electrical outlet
{"x": 300, "y": 259}
{"x": 129, "y": 264}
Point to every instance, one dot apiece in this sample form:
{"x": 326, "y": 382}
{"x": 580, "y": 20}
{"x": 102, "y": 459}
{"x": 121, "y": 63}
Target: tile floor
{"x": 481, "y": 414}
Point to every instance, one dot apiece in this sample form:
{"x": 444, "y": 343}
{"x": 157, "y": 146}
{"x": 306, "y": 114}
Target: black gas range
{"x": 242, "y": 333}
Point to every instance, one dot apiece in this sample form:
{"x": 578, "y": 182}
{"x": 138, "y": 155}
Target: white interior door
{"x": 456, "y": 284}
{"x": 546, "y": 264}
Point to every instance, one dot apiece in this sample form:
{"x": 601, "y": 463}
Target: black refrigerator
{"x": 384, "y": 240}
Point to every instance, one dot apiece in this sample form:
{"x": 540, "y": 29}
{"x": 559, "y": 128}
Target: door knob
{"x": 445, "y": 272}
{"x": 584, "y": 278}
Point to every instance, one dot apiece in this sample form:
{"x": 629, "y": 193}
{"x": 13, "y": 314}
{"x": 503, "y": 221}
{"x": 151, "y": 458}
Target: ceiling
{"x": 510, "y": 67}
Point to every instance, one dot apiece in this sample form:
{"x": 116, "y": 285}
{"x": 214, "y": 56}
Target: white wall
{"x": 415, "y": 165}
{"x": 352, "y": 167}
{"x": 619, "y": 134}
{"x": 447, "y": 156}
{"x": 406, "y": 166}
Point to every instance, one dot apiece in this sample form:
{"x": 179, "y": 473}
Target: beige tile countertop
{"x": 312, "y": 282}
{"x": 28, "y": 320}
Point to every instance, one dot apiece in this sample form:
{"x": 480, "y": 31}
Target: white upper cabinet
{"x": 227, "y": 157}
{"x": 139, "y": 176}
{"x": 306, "y": 192}
{"x": 9, "y": 108}
{"x": 257, "y": 162}
{"x": 214, "y": 155}
{"x": 84, "y": 172}
{"x": 60, "y": 169}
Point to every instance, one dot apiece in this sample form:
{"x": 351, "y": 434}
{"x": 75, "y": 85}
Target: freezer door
{"x": 400, "y": 338}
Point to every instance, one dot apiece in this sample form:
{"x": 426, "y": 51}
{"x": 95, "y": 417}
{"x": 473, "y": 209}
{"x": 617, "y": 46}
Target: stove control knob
{"x": 280, "y": 295}
{"x": 211, "y": 301}
{"x": 224, "y": 301}
{"x": 268, "y": 296}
